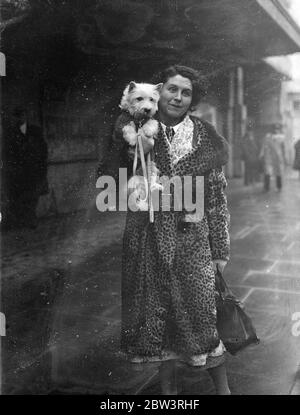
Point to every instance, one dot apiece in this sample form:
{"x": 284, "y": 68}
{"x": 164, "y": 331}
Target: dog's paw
{"x": 142, "y": 205}
{"x": 156, "y": 186}
{"x": 137, "y": 199}
{"x": 153, "y": 168}
{"x": 129, "y": 133}
{"x": 150, "y": 128}
{"x": 147, "y": 142}
{"x": 139, "y": 185}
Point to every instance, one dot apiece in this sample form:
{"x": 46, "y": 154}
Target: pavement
{"x": 61, "y": 299}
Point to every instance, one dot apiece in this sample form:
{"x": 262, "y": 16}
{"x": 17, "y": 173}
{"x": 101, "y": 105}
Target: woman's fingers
{"x": 147, "y": 143}
{"x": 219, "y": 264}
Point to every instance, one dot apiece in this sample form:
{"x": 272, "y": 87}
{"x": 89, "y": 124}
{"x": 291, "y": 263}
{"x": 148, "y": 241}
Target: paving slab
{"x": 61, "y": 293}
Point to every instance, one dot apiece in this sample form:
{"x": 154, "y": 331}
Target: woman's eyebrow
{"x": 176, "y": 86}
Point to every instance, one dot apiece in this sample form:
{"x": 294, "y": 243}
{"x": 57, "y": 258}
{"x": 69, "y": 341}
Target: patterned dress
{"x": 168, "y": 283}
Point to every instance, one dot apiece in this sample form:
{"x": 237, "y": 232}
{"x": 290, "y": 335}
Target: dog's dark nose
{"x": 146, "y": 110}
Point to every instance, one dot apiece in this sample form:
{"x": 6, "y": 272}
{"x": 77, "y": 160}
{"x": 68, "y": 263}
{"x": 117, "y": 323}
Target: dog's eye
{"x": 139, "y": 98}
{"x": 151, "y": 99}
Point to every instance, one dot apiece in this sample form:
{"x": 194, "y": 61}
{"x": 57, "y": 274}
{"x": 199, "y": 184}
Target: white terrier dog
{"x": 139, "y": 105}
{"x": 140, "y": 101}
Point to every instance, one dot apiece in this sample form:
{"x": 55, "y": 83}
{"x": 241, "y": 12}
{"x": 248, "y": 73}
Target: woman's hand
{"x": 147, "y": 143}
{"x": 219, "y": 264}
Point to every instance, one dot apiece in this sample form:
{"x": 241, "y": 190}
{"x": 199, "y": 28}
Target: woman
{"x": 168, "y": 282}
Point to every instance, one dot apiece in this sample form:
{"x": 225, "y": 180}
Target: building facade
{"x": 68, "y": 63}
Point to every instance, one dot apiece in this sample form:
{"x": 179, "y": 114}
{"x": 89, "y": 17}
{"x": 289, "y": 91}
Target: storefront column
{"x": 236, "y": 120}
{"x": 230, "y": 122}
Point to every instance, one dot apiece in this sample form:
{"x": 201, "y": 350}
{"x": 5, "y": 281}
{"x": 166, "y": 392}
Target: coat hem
{"x": 206, "y": 360}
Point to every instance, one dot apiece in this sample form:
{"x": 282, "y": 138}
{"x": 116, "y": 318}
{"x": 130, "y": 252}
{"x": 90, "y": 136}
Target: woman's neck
{"x": 168, "y": 121}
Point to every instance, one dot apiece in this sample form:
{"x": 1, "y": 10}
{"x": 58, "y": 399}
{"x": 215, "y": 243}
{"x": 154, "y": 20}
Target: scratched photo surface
{"x": 64, "y": 67}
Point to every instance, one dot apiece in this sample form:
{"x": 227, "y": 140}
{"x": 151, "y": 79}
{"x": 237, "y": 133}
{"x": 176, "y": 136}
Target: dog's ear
{"x": 158, "y": 87}
{"x": 132, "y": 85}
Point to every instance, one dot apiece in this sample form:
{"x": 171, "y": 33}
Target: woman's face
{"x": 175, "y": 99}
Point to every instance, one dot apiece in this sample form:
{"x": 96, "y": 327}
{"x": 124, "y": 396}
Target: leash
{"x": 151, "y": 211}
{"x": 146, "y": 168}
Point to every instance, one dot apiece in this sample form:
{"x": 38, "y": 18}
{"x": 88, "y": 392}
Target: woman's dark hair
{"x": 199, "y": 82}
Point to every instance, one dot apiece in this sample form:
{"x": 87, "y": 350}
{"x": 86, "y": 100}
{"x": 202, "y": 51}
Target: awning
{"x": 243, "y": 29}
{"x": 211, "y": 34}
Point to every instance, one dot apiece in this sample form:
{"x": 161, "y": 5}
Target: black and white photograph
{"x": 150, "y": 200}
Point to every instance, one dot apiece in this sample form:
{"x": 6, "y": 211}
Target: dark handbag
{"x": 234, "y": 326}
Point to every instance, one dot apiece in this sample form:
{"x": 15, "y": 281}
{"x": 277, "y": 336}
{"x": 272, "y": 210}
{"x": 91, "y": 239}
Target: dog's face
{"x": 140, "y": 100}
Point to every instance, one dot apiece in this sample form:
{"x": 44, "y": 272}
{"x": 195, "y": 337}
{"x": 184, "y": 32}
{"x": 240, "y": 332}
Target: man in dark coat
{"x": 25, "y": 170}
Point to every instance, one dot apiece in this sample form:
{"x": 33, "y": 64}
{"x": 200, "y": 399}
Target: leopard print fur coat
{"x": 168, "y": 283}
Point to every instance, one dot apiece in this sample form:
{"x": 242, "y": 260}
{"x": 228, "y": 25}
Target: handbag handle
{"x": 146, "y": 168}
{"x": 221, "y": 285}
{"x": 222, "y": 288}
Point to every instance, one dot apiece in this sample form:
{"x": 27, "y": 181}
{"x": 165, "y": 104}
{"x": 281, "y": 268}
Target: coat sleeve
{"x": 218, "y": 215}
{"x": 117, "y": 154}
{"x": 219, "y": 144}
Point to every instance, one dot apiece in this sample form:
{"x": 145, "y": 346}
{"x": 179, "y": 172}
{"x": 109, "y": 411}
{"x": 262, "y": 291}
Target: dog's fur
{"x": 139, "y": 105}
{"x": 140, "y": 101}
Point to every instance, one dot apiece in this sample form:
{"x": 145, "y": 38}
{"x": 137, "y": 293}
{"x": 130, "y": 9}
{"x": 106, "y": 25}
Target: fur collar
{"x": 210, "y": 151}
